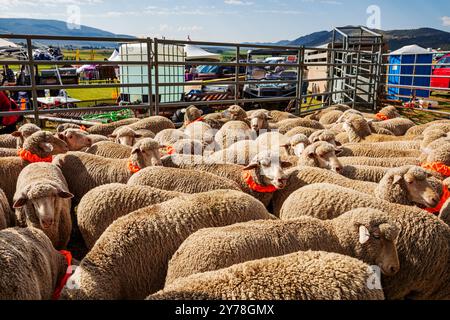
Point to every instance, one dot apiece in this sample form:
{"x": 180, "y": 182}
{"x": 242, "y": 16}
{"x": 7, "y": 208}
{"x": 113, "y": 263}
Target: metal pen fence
{"x": 340, "y": 71}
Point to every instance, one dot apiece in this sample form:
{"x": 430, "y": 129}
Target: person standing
{"x": 305, "y": 83}
{"x": 8, "y": 122}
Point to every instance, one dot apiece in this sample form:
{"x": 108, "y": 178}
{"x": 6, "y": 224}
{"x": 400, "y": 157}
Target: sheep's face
{"x": 258, "y": 121}
{"x": 325, "y": 136}
{"x": 323, "y": 155}
{"x": 235, "y": 112}
{"x": 146, "y": 153}
{"x": 269, "y": 169}
{"x": 378, "y": 245}
{"x": 76, "y": 139}
{"x": 44, "y": 200}
{"x": 298, "y": 144}
{"x": 48, "y": 143}
{"x": 418, "y": 187}
{"x": 125, "y": 136}
{"x": 25, "y": 132}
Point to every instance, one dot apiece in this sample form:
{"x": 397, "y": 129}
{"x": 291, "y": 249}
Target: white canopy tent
{"x": 5, "y": 44}
{"x": 194, "y": 53}
{"x": 413, "y": 49}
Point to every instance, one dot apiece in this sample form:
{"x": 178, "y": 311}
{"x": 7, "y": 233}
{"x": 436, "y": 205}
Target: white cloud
{"x": 238, "y": 2}
{"x": 46, "y": 3}
{"x": 446, "y": 21}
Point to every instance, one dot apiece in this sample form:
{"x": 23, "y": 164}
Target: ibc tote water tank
{"x": 402, "y": 72}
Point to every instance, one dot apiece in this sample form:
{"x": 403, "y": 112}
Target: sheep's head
{"x": 125, "y": 136}
{"x": 298, "y": 144}
{"x": 372, "y": 236}
{"x": 348, "y": 114}
{"x": 146, "y": 153}
{"x": 44, "y": 144}
{"x": 24, "y": 132}
{"x": 391, "y": 112}
{"x": 323, "y": 135}
{"x": 269, "y": 169}
{"x": 236, "y": 113}
{"x": 200, "y": 131}
{"x": 357, "y": 128}
{"x": 76, "y": 139}
{"x": 44, "y": 198}
{"x": 192, "y": 113}
{"x": 441, "y": 154}
{"x": 65, "y": 126}
{"x": 429, "y": 139}
{"x": 259, "y": 120}
{"x": 189, "y": 147}
{"x": 321, "y": 155}
{"x": 408, "y": 185}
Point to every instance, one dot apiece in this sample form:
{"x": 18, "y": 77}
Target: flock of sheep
{"x": 234, "y": 205}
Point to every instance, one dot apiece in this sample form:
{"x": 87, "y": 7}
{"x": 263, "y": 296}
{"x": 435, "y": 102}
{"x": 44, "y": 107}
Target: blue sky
{"x": 234, "y": 20}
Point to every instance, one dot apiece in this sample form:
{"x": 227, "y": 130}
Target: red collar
{"x": 248, "y": 178}
{"x": 133, "y": 168}
{"x": 66, "y": 277}
{"x": 438, "y": 167}
{"x": 382, "y": 117}
{"x": 83, "y": 128}
{"x": 32, "y": 158}
{"x": 201, "y": 119}
{"x": 444, "y": 198}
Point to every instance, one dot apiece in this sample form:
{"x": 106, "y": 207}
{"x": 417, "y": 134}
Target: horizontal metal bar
{"x": 415, "y": 87}
{"x": 412, "y": 54}
{"x": 71, "y": 62}
{"x": 415, "y": 76}
{"x": 415, "y": 64}
{"x": 74, "y": 86}
{"x": 327, "y": 93}
{"x": 65, "y": 120}
{"x": 16, "y": 113}
{"x": 71, "y": 38}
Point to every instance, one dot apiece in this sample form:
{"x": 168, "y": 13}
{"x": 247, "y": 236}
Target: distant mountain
{"x": 55, "y": 27}
{"x": 424, "y": 37}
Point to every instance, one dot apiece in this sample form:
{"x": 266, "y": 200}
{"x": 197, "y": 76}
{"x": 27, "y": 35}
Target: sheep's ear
{"x": 113, "y": 136}
{"x": 311, "y": 154}
{"x": 397, "y": 179}
{"x": 364, "y": 235}
{"x": 269, "y": 117}
{"x": 251, "y": 166}
{"x": 47, "y": 147}
{"x": 138, "y": 136}
{"x": 20, "y": 203}
{"x": 338, "y": 144}
{"x": 65, "y": 195}
{"x": 17, "y": 134}
{"x": 338, "y": 151}
{"x": 61, "y": 136}
{"x": 135, "y": 151}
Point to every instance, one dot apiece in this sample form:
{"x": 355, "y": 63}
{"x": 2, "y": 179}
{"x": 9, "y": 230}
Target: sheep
{"x": 39, "y": 147}
{"x": 169, "y": 137}
{"x": 188, "y": 146}
{"x": 31, "y": 267}
{"x": 310, "y": 275}
{"x": 319, "y": 114}
{"x": 84, "y": 172}
{"x": 7, "y": 218}
{"x": 130, "y": 259}
{"x": 192, "y": 115}
{"x": 273, "y": 140}
{"x": 439, "y": 126}
{"x": 260, "y": 179}
{"x": 359, "y": 130}
{"x": 8, "y": 152}
{"x": 388, "y": 113}
{"x": 233, "y": 132}
{"x": 379, "y": 162}
{"x": 418, "y": 130}
{"x": 398, "y": 126}
{"x": 236, "y": 113}
{"x": 300, "y": 130}
{"x": 24, "y": 132}
{"x": 108, "y": 128}
{"x": 101, "y": 206}
{"x": 302, "y": 176}
{"x": 322, "y": 155}
{"x": 364, "y": 173}
{"x": 155, "y": 124}
{"x": 241, "y": 152}
{"x": 287, "y": 125}
{"x": 8, "y": 141}
{"x": 42, "y": 200}
{"x": 63, "y": 127}
{"x": 218, "y": 248}
{"x": 423, "y": 244}
{"x": 297, "y": 145}
{"x": 278, "y": 116}
{"x": 250, "y": 113}
{"x": 181, "y": 180}
{"x": 95, "y": 138}
{"x": 202, "y": 132}
{"x": 126, "y": 136}
{"x": 330, "y": 117}
{"x": 75, "y": 139}
{"x": 323, "y": 135}
{"x": 109, "y": 149}
{"x": 438, "y": 161}
{"x": 375, "y": 151}
{"x": 259, "y": 121}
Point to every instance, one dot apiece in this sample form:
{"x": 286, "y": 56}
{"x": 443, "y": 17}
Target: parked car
{"x": 442, "y": 68}
{"x": 206, "y": 72}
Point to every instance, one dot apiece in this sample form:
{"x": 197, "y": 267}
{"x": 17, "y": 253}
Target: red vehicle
{"x": 442, "y": 68}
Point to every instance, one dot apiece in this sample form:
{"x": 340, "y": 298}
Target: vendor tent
{"x": 194, "y": 53}
{"x": 115, "y": 56}
{"x": 4, "y": 44}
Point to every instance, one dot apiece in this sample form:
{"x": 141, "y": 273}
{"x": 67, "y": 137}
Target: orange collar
{"x": 133, "y": 169}
{"x": 444, "y": 198}
{"x": 83, "y": 128}
{"x": 32, "y": 158}
{"x": 201, "y": 119}
{"x": 248, "y": 178}
{"x": 438, "y": 167}
{"x": 66, "y": 277}
{"x": 170, "y": 150}
{"x": 382, "y": 117}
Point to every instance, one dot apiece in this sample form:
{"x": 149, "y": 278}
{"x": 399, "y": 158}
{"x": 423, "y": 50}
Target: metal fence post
{"x": 156, "y": 76}
{"x": 299, "y": 97}
{"x": 236, "y": 87}
{"x": 33, "y": 80}
{"x": 150, "y": 71}
{"x": 358, "y": 62}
